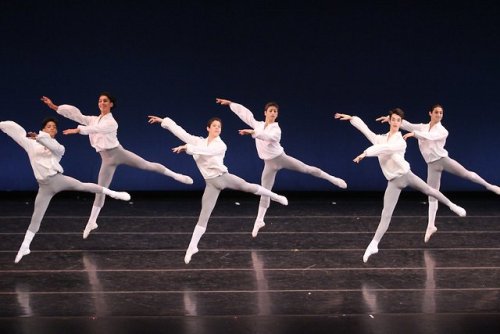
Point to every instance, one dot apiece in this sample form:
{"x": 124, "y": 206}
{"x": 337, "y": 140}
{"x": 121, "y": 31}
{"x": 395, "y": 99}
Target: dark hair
{"x": 213, "y": 119}
{"x": 46, "y": 120}
{"x": 397, "y": 111}
{"x": 110, "y": 97}
{"x": 271, "y": 104}
{"x": 437, "y": 105}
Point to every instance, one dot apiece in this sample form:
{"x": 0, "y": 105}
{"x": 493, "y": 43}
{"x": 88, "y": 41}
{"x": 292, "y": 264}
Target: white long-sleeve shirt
{"x": 44, "y": 152}
{"x": 431, "y": 141}
{"x": 267, "y": 138}
{"x": 102, "y": 131}
{"x": 209, "y": 157}
{"x": 390, "y": 150}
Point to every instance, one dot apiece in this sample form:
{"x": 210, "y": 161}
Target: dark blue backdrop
{"x": 175, "y": 57}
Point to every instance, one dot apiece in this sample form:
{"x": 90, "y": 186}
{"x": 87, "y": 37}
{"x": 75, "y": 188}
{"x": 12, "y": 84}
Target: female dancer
{"x": 208, "y": 153}
{"x": 267, "y": 136}
{"x": 102, "y": 132}
{"x": 390, "y": 149}
{"x": 431, "y": 140}
{"x": 45, "y": 153}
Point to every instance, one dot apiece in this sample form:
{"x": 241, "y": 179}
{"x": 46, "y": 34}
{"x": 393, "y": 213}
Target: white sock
{"x": 193, "y": 244}
{"x": 334, "y": 180}
{"x": 370, "y": 250}
{"x": 121, "y": 195}
{"x": 25, "y": 246}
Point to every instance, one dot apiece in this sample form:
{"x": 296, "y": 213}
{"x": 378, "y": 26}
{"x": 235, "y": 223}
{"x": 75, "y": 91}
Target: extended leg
{"x": 434, "y": 181}
{"x": 208, "y": 202}
{"x": 417, "y": 183}
{"x": 267, "y": 181}
{"x": 106, "y": 173}
{"x": 391, "y": 197}
{"x": 453, "y": 167}
{"x": 42, "y": 201}
{"x": 291, "y": 163}
{"x": 133, "y": 160}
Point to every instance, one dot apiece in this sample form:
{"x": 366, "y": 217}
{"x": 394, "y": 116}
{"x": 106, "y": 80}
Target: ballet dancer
{"x": 102, "y": 132}
{"x": 208, "y": 153}
{"x": 45, "y": 153}
{"x": 267, "y": 135}
{"x": 431, "y": 140}
{"x": 390, "y": 149}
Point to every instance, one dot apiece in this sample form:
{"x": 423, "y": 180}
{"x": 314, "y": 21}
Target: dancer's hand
{"x": 246, "y": 132}
{"x": 71, "y": 131}
{"x": 408, "y": 135}
{"x": 222, "y": 102}
{"x": 48, "y": 102}
{"x": 31, "y": 135}
{"x": 343, "y": 117}
{"x": 360, "y": 157}
{"x": 154, "y": 119}
{"x": 179, "y": 149}
{"x": 383, "y": 119}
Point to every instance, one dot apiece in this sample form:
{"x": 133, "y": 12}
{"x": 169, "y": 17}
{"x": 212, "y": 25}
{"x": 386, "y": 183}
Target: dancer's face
{"x": 271, "y": 114}
{"x": 395, "y": 122}
{"x": 214, "y": 129}
{"x": 436, "y": 115}
{"x": 50, "y": 128}
{"x": 104, "y": 104}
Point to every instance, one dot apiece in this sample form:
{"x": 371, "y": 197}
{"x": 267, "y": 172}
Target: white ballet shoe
{"x": 280, "y": 199}
{"x": 22, "y": 252}
{"x": 189, "y": 253}
{"x": 121, "y": 195}
{"x": 458, "y": 210}
{"x": 183, "y": 179}
{"x": 370, "y": 250}
{"x": 429, "y": 232}
{"x": 257, "y": 226}
{"x": 495, "y": 189}
{"x": 339, "y": 183}
{"x": 90, "y": 227}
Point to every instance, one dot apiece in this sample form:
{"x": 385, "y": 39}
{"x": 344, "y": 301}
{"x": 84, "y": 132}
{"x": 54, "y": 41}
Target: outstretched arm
{"x": 358, "y": 124}
{"x": 180, "y": 149}
{"x": 178, "y": 131}
{"x": 343, "y": 117}
{"x": 408, "y": 135}
{"x": 154, "y": 119}
{"x": 71, "y": 131}
{"x": 67, "y": 111}
{"x": 49, "y": 103}
{"x": 243, "y": 113}
{"x": 244, "y": 132}
{"x": 17, "y": 133}
{"x": 222, "y": 102}
{"x": 383, "y": 119}
{"x": 359, "y": 157}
